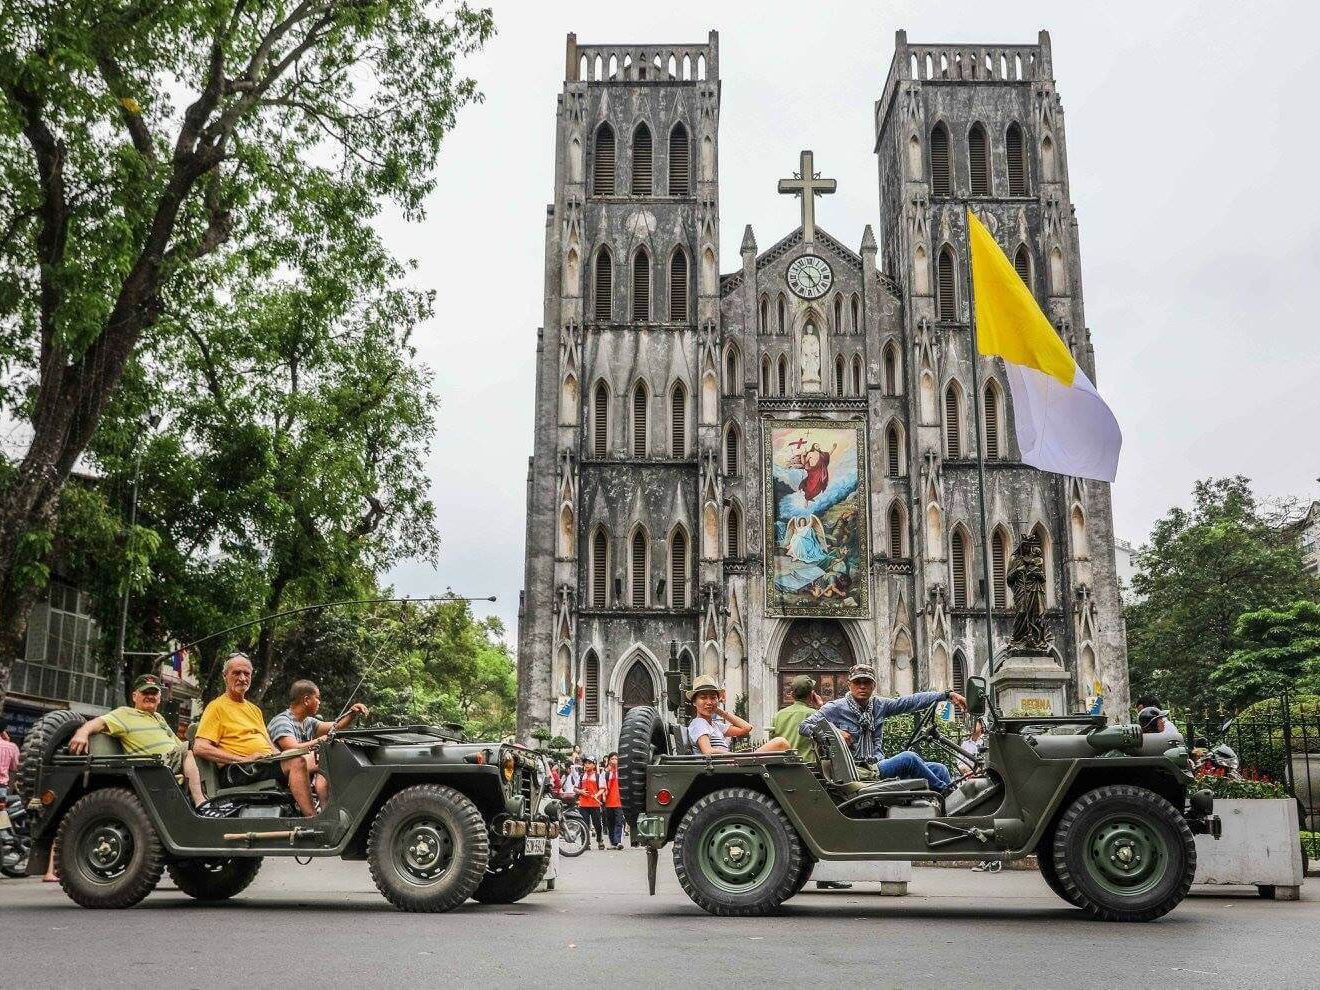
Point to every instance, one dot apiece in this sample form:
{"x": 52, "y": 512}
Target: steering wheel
{"x": 923, "y": 724}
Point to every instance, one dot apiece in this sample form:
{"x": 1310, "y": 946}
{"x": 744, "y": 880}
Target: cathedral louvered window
{"x": 946, "y": 303}
{"x": 733, "y": 533}
{"x": 1022, "y": 265}
{"x": 680, "y": 161}
{"x": 959, "y": 672}
{"x": 1017, "y": 161}
{"x": 731, "y": 451}
{"x": 638, "y": 576}
{"x": 895, "y": 532}
{"x": 839, "y": 375}
{"x": 604, "y": 287}
{"x": 732, "y": 379}
{"x": 940, "y": 182}
{"x": 641, "y": 169}
{"x": 783, "y": 376}
{"x": 958, "y": 565}
{"x": 678, "y": 422}
{"x": 600, "y": 422}
{"x": 591, "y": 688}
{"x": 678, "y": 579}
{"x": 998, "y": 554}
{"x": 602, "y": 176}
{"x": 678, "y": 288}
{"x": 600, "y": 589}
{"x": 978, "y": 160}
{"x": 641, "y": 307}
{"x": 991, "y": 423}
{"x": 893, "y": 452}
{"x": 639, "y": 420}
{"x": 952, "y": 423}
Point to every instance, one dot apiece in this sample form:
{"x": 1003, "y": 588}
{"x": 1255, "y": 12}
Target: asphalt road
{"x": 324, "y": 925}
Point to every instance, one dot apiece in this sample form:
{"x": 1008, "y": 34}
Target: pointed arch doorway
{"x": 818, "y": 647}
{"x": 638, "y": 687}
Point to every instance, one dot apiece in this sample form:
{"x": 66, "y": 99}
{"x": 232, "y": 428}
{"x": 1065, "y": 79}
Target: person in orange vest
{"x": 589, "y": 790}
{"x": 613, "y": 801}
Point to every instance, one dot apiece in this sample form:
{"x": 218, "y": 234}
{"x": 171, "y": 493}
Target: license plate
{"x": 535, "y": 846}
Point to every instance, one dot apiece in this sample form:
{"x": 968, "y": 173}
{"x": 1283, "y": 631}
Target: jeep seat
{"x": 211, "y": 780}
{"x": 840, "y": 769}
{"x": 103, "y": 744}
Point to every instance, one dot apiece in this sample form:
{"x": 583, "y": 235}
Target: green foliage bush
{"x": 1231, "y": 790}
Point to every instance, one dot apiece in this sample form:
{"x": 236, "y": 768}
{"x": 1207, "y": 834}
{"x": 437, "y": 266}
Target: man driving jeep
{"x": 233, "y": 734}
{"x": 143, "y": 731}
{"x": 298, "y": 725}
{"x": 860, "y": 717}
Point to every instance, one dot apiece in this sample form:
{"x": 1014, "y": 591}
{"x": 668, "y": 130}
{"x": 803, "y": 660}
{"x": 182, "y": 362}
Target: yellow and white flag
{"x": 1061, "y": 422}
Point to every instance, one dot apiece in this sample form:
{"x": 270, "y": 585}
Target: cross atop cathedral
{"x": 807, "y": 184}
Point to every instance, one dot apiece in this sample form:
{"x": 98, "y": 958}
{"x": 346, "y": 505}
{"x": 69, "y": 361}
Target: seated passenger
{"x": 298, "y": 725}
{"x": 713, "y": 727}
{"x": 860, "y": 717}
{"x": 1154, "y": 721}
{"x": 233, "y": 734}
{"x": 787, "y": 720}
{"x": 143, "y": 731}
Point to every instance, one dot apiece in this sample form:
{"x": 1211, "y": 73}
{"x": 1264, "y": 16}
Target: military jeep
{"x": 1108, "y": 813}
{"x": 439, "y": 818}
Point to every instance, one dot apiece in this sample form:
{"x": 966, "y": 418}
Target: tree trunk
{"x": 271, "y": 666}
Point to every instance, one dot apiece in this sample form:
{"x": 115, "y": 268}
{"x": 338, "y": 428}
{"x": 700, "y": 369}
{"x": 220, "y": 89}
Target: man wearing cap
{"x": 860, "y": 717}
{"x": 143, "y": 731}
{"x": 787, "y": 720}
{"x": 1153, "y": 720}
{"x": 712, "y": 727}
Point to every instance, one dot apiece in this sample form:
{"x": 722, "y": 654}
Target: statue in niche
{"x": 1026, "y": 578}
{"x": 810, "y": 359}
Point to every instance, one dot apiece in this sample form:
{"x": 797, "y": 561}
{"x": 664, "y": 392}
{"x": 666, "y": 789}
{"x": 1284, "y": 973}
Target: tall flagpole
{"x": 980, "y": 456}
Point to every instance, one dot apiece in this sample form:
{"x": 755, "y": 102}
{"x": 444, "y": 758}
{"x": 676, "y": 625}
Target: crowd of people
{"x": 593, "y": 790}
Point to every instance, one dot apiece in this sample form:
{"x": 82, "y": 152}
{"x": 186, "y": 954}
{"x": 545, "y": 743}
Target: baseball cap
{"x": 862, "y": 672}
{"x": 146, "y": 682}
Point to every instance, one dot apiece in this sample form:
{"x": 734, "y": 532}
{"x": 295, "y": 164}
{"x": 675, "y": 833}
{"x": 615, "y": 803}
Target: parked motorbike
{"x": 1218, "y": 759}
{"x": 15, "y": 841}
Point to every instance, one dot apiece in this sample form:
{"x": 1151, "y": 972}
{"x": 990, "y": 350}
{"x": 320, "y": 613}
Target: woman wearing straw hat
{"x": 712, "y": 727}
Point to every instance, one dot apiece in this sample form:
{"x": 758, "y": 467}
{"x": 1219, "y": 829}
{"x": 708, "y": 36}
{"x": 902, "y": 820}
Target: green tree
{"x": 150, "y": 153}
{"x": 1202, "y": 569}
{"x": 1281, "y": 652}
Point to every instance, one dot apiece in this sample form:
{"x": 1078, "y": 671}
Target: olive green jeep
{"x": 439, "y": 818}
{"x": 1108, "y": 812}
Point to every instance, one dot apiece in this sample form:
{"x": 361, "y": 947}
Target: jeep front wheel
{"x": 1123, "y": 853}
{"x": 736, "y": 853}
{"x": 214, "y": 879}
{"x": 511, "y": 883}
{"x": 110, "y": 855}
{"x": 428, "y": 849}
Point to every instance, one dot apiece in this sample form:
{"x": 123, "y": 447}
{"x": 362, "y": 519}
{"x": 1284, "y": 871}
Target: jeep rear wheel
{"x": 214, "y": 879}
{"x": 641, "y": 740}
{"x": 48, "y": 736}
{"x": 110, "y": 855}
{"x": 736, "y": 854}
{"x": 1123, "y": 853}
{"x": 510, "y": 884}
{"x": 428, "y": 849}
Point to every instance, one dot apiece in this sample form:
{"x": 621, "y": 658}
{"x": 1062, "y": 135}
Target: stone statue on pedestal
{"x": 1026, "y": 578}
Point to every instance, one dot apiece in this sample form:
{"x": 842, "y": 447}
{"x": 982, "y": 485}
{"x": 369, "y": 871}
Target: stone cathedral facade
{"x": 774, "y": 469}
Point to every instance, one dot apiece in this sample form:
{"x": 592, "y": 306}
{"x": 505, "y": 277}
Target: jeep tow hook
{"x": 652, "y": 861}
{"x": 293, "y": 835}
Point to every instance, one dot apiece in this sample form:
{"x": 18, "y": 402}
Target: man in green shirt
{"x": 143, "y": 731}
{"x": 787, "y": 720}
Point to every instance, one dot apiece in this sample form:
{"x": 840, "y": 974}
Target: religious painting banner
{"x": 816, "y": 526}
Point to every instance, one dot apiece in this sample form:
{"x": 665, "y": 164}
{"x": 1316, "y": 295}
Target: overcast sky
{"x": 1192, "y": 144}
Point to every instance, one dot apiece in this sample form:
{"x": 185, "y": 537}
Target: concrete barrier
{"x": 1260, "y": 847}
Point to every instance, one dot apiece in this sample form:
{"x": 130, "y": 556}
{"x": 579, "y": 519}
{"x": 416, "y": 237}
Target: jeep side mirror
{"x": 976, "y": 695}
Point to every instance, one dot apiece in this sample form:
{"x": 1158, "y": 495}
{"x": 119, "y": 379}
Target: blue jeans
{"x": 909, "y": 764}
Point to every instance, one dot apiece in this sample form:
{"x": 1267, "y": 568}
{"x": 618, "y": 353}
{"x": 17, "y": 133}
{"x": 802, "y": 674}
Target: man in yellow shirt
{"x": 233, "y": 733}
{"x": 143, "y": 731}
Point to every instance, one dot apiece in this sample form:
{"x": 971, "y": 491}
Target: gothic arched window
{"x": 680, "y": 162}
{"x": 637, "y": 576}
{"x": 602, "y": 167}
{"x": 765, "y": 375}
{"x": 857, "y": 374}
{"x": 893, "y": 451}
{"x": 1016, "y": 149}
{"x": 891, "y": 369}
{"x": 642, "y": 184}
{"x": 590, "y": 687}
{"x": 678, "y": 287}
{"x": 946, "y": 302}
{"x": 782, "y": 314}
{"x": 732, "y": 370}
{"x": 639, "y": 420}
{"x": 838, "y": 312}
{"x": 678, "y": 421}
{"x": 600, "y": 562}
{"x": 978, "y": 160}
{"x": 840, "y": 375}
{"x": 731, "y": 449}
{"x": 856, "y": 307}
{"x": 600, "y": 420}
{"x": 678, "y": 569}
{"x": 998, "y": 562}
{"x": 958, "y": 568}
{"x": 991, "y": 421}
{"x": 763, "y": 322}
{"x": 896, "y": 531}
{"x": 959, "y": 683}
{"x": 941, "y": 183}
{"x": 783, "y": 375}
{"x": 733, "y": 532}
{"x": 953, "y": 422}
{"x": 641, "y": 286}
{"x": 603, "y": 309}
{"x": 1022, "y": 265}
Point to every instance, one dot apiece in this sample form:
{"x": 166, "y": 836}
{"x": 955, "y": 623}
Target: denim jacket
{"x": 844, "y": 713}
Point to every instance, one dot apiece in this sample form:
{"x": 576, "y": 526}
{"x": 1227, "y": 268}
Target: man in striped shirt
{"x": 143, "y": 731}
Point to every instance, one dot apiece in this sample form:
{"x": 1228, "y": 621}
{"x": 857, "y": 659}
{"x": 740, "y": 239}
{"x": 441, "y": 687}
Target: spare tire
{"x": 641, "y": 739}
{"x": 48, "y": 736}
